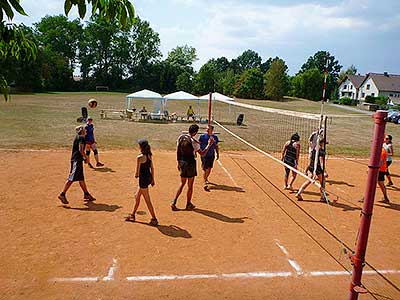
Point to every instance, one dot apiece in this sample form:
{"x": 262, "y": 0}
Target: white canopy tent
{"x": 181, "y": 95}
{"x": 217, "y": 96}
{"x": 146, "y": 95}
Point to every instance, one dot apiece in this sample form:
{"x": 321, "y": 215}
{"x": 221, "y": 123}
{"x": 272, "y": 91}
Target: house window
{"x": 391, "y": 95}
{"x": 345, "y": 86}
{"x": 368, "y": 86}
{"x": 363, "y": 95}
{"x": 343, "y": 94}
{"x": 373, "y": 94}
{"x": 351, "y": 87}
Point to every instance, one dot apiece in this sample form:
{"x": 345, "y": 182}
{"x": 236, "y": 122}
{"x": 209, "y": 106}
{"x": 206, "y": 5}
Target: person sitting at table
{"x": 143, "y": 112}
{"x": 190, "y": 113}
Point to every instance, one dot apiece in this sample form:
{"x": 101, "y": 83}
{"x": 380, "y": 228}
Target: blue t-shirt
{"x": 204, "y": 141}
{"x": 89, "y": 138}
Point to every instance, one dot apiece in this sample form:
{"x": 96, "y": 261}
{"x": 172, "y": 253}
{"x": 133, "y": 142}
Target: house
{"x": 350, "y": 85}
{"x": 386, "y": 85}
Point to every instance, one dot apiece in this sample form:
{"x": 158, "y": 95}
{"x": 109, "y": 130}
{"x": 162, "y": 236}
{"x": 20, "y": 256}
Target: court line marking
{"x": 291, "y": 261}
{"x": 111, "y": 271}
{"x": 248, "y": 275}
{"x": 227, "y": 173}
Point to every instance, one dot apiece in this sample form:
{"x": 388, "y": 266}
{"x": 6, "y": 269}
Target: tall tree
{"x": 250, "y": 84}
{"x": 308, "y": 84}
{"x": 182, "y": 57}
{"x": 352, "y": 70}
{"x": 276, "y": 80}
{"x": 206, "y": 79}
{"x": 247, "y": 60}
{"x": 318, "y": 61}
{"x": 60, "y": 35}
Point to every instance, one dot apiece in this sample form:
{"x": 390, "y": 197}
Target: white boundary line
{"x": 111, "y": 271}
{"x": 227, "y": 173}
{"x": 291, "y": 261}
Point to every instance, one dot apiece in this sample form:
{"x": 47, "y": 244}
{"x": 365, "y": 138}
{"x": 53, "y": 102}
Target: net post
{"x": 324, "y": 158}
{"x": 209, "y": 108}
{"x": 358, "y": 259}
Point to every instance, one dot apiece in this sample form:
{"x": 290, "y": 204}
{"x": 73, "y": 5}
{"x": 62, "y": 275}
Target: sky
{"x": 364, "y": 33}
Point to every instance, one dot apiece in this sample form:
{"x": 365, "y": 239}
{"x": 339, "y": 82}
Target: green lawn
{"x": 47, "y": 121}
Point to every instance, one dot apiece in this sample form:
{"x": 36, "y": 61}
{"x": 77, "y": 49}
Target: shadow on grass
{"x": 92, "y": 206}
{"x": 168, "y": 230}
{"x": 337, "y": 182}
{"x": 218, "y": 216}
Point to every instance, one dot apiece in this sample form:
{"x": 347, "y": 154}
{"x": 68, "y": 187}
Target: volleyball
{"x": 92, "y": 103}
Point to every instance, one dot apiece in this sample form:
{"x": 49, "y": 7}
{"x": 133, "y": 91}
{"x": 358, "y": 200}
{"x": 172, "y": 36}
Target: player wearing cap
{"x": 207, "y": 161}
{"x": 91, "y": 143}
{"x": 76, "y": 173}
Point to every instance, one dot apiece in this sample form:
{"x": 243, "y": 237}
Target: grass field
{"x": 47, "y": 121}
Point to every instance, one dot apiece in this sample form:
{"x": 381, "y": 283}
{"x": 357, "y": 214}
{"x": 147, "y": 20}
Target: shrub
{"x": 346, "y": 101}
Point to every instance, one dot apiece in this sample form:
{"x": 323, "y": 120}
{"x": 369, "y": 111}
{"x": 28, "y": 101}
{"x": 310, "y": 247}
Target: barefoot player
{"x": 91, "y": 144}
{"x": 207, "y": 161}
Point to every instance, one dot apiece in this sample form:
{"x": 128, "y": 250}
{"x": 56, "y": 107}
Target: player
{"x": 207, "y": 161}
{"x": 190, "y": 113}
{"x": 310, "y": 170}
{"x": 145, "y": 172}
{"x": 76, "y": 173}
{"x": 290, "y": 156}
{"x": 381, "y": 175}
{"x": 187, "y": 147}
{"x": 91, "y": 144}
{"x": 389, "y": 149}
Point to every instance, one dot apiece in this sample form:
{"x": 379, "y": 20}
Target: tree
{"x": 184, "y": 82}
{"x": 228, "y": 82}
{"x": 182, "y": 57}
{"x": 276, "y": 80}
{"x": 352, "y": 70}
{"x": 250, "y": 84}
{"x": 60, "y": 35}
{"x": 205, "y": 80}
{"x": 318, "y": 61}
{"x": 308, "y": 84}
{"x": 247, "y": 60}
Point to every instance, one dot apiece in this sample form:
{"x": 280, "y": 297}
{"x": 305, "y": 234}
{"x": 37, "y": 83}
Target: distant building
{"x": 387, "y": 85}
{"x": 77, "y": 78}
{"x": 350, "y": 87}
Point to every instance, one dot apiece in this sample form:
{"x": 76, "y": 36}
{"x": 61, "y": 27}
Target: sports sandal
{"x": 90, "y": 166}
{"x": 299, "y": 197}
{"x": 173, "y": 207}
{"x": 190, "y": 206}
{"x": 88, "y": 197}
{"x": 99, "y": 164}
{"x": 153, "y": 222}
{"x": 130, "y": 218}
{"x": 63, "y": 199}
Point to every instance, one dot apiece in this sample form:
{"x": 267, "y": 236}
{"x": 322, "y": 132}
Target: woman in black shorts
{"x": 145, "y": 172}
{"x": 290, "y": 156}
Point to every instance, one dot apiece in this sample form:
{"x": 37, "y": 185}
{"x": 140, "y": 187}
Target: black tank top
{"x": 291, "y": 152}
{"x": 145, "y": 168}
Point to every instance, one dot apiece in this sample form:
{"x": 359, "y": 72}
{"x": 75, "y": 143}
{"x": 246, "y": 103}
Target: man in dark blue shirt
{"x": 91, "y": 144}
{"x": 207, "y": 161}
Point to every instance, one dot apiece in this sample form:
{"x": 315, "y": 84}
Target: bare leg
{"x": 190, "y": 190}
{"x": 146, "y": 195}
{"x": 88, "y": 147}
{"x": 207, "y": 173}
{"x": 178, "y": 193}
{"x": 294, "y": 175}
{"x": 383, "y": 189}
{"x": 67, "y": 186}
{"x": 390, "y": 180}
{"x": 83, "y": 186}
{"x": 137, "y": 201}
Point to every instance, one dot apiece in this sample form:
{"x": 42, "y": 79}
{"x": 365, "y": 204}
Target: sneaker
{"x": 190, "y": 206}
{"x": 99, "y": 164}
{"x": 385, "y": 200}
{"x": 205, "y": 187}
{"x": 63, "y": 199}
{"x": 299, "y": 197}
{"x": 390, "y": 183}
{"x": 89, "y": 197}
{"x": 173, "y": 207}
{"x": 153, "y": 222}
{"x": 90, "y": 166}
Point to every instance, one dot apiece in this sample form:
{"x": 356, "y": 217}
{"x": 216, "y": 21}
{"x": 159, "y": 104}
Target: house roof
{"x": 385, "y": 82}
{"x": 356, "y": 80}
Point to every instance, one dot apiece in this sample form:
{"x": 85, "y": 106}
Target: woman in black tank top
{"x": 145, "y": 172}
{"x": 290, "y": 156}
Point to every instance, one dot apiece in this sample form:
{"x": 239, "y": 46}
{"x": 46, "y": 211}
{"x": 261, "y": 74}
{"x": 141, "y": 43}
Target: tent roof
{"x": 145, "y": 95}
{"x": 181, "y": 95}
{"x": 216, "y": 96}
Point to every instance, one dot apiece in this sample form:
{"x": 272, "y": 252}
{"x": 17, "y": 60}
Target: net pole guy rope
{"x": 358, "y": 259}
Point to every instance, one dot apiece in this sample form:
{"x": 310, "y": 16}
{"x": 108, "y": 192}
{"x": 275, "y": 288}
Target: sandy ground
{"x": 245, "y": 224}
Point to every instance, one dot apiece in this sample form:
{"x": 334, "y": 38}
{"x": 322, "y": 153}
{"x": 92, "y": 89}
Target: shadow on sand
{"x": 92, "y": 206}
{"x": 168, "y": 230}
{"x": 223, "y": 187}
{"x": 337, "y": 182}
{"x": 218, "y": 216}
{"x": 104, "y": 170}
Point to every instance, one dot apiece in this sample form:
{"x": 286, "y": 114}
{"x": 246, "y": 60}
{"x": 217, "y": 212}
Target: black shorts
{"x": 381, "y": 176}
{"x": 145, "y": 181}
{"x": 187, "y": 169}
{"x": 76, "y": 173}
{"x": 318, "y": 172}
{"x": 207, "y": 162}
